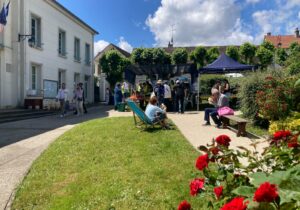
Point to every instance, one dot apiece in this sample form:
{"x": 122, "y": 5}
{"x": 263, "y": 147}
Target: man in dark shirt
{"x": 179, "y": 94}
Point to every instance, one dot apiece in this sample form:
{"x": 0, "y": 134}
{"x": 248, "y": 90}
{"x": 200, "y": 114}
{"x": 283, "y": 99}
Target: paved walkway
{"x": 23, "y": 141}
{"x": 190, "y": 125}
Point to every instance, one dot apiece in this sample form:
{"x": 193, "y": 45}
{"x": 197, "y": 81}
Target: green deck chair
{"x": 143, "y": 119}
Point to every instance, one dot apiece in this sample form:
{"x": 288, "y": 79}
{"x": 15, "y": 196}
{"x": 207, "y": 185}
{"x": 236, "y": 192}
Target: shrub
{"x": 269, "y": 181}
{"x": 247, "y": 94}
{"x": 291, "y": 123}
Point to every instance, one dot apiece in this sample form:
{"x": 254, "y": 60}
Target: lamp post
{"x": 22, "y": 37}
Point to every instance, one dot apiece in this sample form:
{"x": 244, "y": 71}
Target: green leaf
{"x": 297, "y": 84}
{"x": 257, "y": 178}
{"x": 299, "y": 139}
{"x": 203, "y": 148}
{"x": 244, "y": 191}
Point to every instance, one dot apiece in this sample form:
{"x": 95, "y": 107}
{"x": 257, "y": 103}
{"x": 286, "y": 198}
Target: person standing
{"x": 180, "y": 95}
{"x": 62, "y": 97}
{"x": 125, "y": 90}
{"x": 78, "y": 96}
{"x": 83, "y": 99}
{"x": 159, "y": 92}
{"x": 167, "y": 96}
{"x": 107, "y": 96}
{"x": 118, "y": 95}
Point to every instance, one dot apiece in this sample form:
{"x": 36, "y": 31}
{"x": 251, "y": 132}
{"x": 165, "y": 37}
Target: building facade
{"x": 283, "y": 41}
{"x": 58, "y": 49}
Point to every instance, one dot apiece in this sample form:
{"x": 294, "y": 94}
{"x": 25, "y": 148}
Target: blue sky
{"x": 147, "y": 23}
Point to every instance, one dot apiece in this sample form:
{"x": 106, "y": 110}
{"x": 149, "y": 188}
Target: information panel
{"x": 50, "y": 88}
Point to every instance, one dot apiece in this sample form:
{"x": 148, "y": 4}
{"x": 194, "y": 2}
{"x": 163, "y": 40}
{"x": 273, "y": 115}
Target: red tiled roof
{"x": 282, "y": 41}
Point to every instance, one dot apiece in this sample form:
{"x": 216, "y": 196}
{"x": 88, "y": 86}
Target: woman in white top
{"x": 78, "y": 96}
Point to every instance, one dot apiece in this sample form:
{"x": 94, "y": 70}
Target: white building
{"x": 59, "y": 50}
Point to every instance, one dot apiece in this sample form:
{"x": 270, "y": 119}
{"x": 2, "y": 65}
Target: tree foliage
{"x": 294, "y": 48}
{"x": 247, "y": 51}
{"x": 233, "y": 52}
{"x": 212, "y": 54}
{"x": 198, "y": 56}
{"x": 281, "y": 56}
{"x": 150, "y": 56}
{"x": 180, "y": 56}
{"x": 113, "y": 65}
{"x": 160, "y": 56}
{"x": 265, "y": 56}
{"x": 268, "y": 45}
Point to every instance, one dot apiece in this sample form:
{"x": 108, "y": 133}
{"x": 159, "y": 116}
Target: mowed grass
{"x": 110, "y": 164}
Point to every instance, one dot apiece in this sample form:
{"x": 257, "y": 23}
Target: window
{"x": 33, "y": 78}
{"x": 87, "y": 54}
{"x": 77, "y": 49}
{"x": 36, "y": 31}
{"x": 76, "y": 78}
{"x": 62, "y": 43}
{"x": 61, "y": 77}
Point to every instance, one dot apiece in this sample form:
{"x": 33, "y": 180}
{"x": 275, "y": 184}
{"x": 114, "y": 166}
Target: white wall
{"x": 13, "y": 84}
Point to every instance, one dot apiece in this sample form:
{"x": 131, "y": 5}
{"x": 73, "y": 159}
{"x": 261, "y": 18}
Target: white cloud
{"x": 198, "y": 22}
{"x": 99, "y": 46}
{"x": 123, "y": 44}
{"x": 252, "y": 1}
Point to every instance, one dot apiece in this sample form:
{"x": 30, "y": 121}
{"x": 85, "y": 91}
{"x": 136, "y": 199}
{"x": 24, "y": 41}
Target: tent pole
{"x": 198, "y": 92}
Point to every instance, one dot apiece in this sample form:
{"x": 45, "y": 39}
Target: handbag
{"x": 225, "y": 111}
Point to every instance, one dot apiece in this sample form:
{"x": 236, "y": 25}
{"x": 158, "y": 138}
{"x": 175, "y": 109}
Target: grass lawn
{"x": 109, "y": 164}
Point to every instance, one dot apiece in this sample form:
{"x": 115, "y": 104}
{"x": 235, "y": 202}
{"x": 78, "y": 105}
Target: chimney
{"x": 269, "y": 34}
{"x": 297, "y": 32}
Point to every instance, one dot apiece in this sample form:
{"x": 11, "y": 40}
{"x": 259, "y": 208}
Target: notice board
{"x": 50, "y": 88}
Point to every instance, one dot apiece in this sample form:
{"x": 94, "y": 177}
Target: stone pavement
{"x": 190, "y": 125}
{"x": 23, "y": 141}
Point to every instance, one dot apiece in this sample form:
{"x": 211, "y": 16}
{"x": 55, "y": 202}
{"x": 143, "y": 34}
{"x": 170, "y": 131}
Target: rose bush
{"x": 269, "y": 181}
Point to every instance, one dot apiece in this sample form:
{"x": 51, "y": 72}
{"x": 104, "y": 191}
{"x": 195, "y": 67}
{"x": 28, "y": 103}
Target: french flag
{"x": 3, "y": 16}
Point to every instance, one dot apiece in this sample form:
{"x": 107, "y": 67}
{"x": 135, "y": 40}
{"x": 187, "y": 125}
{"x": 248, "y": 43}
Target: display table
{"x": 33, "y": 101}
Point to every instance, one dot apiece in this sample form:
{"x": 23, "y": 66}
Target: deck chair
{"x": 143, "y": 121}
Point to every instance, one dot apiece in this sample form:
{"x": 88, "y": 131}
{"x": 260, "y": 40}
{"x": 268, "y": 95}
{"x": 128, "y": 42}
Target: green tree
{"x": 147, "y": 57}
{"x": 198, "y": 56}
{"x": 160, "y": 56}
{"x": 268, "y": 45}
{"x": 247, "y": 51}
{"x": 264, "y": 56}
{"x": 281, "y": 56}
{"x": 233, "y": 52}
{"x": 294, "y": 48}
{"x": 212, "y": 54}
{"x": 136, "y": 56}
{"x": 113, "y": 65}
{"x": 179, "y": 56}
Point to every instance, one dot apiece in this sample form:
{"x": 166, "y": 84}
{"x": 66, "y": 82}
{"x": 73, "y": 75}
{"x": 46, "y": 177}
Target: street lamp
{"x": 22, "y": 37}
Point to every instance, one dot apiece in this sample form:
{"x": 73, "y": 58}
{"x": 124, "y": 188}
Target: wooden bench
{"x": 241, "y": 123}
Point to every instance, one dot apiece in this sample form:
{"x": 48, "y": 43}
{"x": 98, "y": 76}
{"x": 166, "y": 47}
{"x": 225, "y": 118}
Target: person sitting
{"x": 155, "y": 113}
{"x": 219, "y": 100}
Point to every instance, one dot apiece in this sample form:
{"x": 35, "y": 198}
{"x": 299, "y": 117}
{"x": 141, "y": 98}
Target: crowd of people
{"x": 78, "y": 99}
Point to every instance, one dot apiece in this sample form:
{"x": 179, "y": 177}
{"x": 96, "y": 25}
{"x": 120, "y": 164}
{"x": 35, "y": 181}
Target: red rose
{"x": 235, "y": 204}
{"x": 293, "y": 145}
{"x": 266, "y": 193}
{"x": 223, "y": 140}
{"x": 281, "y": 134}
{"x": 215, "y": 150}
{"x": 196, "y": 185}
{"x": 202, "y": 162}
{"x": 184, "y": 205}
{"x": 218, "y": 191}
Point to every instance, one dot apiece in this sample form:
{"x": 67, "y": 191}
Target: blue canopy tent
{"x": 224, "y": 64}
